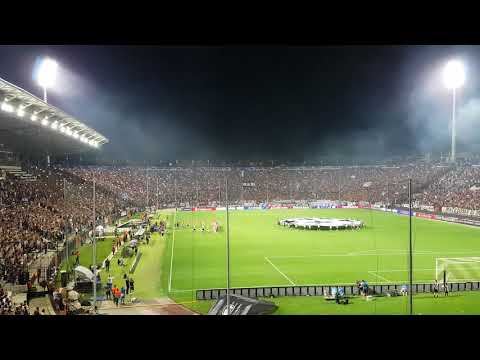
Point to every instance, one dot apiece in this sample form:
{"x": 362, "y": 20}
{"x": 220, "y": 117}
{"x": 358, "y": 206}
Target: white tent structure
{"x": 100, "y": 230}
{"x": 83, "y": 272}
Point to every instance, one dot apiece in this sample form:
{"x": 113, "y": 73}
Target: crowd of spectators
{"x": 7, "y": 307}
{"x": 35, "y": 215}
{"x": 459, "y": 187}
{"x": 206, "y": 186}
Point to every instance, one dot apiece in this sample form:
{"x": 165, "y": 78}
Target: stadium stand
{"x": 205, "y": 186}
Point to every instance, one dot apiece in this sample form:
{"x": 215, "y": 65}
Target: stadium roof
{"x": 28, "y": 123}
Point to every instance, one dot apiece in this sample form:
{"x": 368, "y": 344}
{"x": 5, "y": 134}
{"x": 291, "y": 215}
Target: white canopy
{"x": 85, "y": 272}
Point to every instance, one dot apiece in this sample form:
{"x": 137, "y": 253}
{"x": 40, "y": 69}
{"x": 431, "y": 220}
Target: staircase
{"x": 17, "y": 172}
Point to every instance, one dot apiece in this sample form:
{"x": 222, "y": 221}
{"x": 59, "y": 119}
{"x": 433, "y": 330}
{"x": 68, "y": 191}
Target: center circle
{"x": 321, "y": 223}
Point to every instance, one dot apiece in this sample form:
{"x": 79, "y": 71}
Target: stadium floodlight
{"x": 20, "y": 112}
{"x": 453, "y": 78}
{"x": 453, "y": 74}
{"x": 45, "y": 121}
{"x": 33, "y": 117}
{"x": 47, "y": 74}
{"x": 7, "y": 107}
{"x": 75, "y": 135}
{"x": 54, "y": 125}
{"x": 68, "y": 131}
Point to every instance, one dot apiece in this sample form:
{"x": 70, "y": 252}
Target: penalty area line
{"x": 276, "y": 268}
{"x": 379, "y": 276}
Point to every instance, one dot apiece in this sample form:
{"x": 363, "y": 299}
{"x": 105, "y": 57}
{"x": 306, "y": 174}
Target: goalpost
{"x": 457, "y": 269}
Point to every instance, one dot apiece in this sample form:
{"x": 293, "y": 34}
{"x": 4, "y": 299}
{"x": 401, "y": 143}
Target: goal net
{"x": 457, "y": 269}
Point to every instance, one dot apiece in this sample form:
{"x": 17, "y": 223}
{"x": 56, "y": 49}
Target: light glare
{"x": 453, "y": 74}
{"x": 47, "y": 73}
{"x": 7, "y": 107}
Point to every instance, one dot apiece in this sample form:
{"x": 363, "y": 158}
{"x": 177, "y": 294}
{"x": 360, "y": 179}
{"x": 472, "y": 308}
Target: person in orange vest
{"x": 116, "y": 295}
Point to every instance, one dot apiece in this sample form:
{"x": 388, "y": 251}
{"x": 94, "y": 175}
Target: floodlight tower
{"x": 47, "y": 74}
{"x": 453, "y": 78}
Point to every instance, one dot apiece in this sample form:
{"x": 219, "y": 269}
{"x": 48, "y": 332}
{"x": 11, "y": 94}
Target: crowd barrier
{"x": 320, "y": 290}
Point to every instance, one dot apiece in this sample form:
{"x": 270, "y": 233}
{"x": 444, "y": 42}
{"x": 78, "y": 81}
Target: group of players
{"x": 201, "y": 227}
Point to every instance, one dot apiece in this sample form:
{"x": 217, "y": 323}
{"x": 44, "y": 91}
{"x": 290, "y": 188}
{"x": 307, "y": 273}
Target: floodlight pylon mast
{"x": 147, "y": 188}
{"x": 175, "y": 188}
{"x": 453, "y": 155}
{"x": 65, "y": 224}
{"x": 410, "y": 250}
{"x": 228, "y": 247}
{"x": 94, "y": 255}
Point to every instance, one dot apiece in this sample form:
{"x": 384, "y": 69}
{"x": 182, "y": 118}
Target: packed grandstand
{"x": 34, "y": 213}
{"x": 44, "y": 203}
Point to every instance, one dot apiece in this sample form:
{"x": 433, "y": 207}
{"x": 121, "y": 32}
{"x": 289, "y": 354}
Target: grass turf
{"x": 150, "y": 281}
{"x": 266, "y": 254}
{"x": 462, "y": 303}
{"x": 305, "y": 257}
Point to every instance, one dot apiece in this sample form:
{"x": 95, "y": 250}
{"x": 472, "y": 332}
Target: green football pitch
{"x": 263, "y": 253}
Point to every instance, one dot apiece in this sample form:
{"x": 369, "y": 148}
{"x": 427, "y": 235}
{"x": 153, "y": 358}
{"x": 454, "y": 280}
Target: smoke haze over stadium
{"x": 259, "y": 102}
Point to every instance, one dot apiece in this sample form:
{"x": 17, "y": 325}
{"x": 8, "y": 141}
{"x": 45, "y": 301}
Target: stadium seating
{"x": 39, "y": 204}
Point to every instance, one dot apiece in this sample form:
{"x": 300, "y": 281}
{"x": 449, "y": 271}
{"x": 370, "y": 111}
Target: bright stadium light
{"x": 45, "y": 121}
{"x": 20, "y": 112}
{"x": 33, "y": 117}
{"x": 47, "y": 74}
{"x": 453, "y": 78}
{"x": 68, "y": 131}
{"x": 453, "y": 74}
{"x": 54, "y": 125}
{"x": 75, "y": 135}
{"x": 7, "y": 107}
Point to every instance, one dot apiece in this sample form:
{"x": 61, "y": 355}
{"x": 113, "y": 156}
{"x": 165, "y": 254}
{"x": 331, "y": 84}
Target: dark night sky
{"x": 257, "y": 102}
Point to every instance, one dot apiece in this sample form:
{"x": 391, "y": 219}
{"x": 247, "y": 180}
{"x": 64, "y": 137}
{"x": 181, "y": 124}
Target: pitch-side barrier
{"x": 321, "y": 290}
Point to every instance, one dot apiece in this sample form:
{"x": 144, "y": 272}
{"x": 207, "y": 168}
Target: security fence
{"x": 321, "y": 290}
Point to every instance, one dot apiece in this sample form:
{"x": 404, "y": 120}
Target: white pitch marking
{"x": 285, "y": 276}
{"x": 416, "y": 253}
{"x": 401, "y": 270}
{"x": 380, "y": 277}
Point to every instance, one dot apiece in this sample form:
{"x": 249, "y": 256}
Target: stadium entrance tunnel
{"x": 321, "y": 223}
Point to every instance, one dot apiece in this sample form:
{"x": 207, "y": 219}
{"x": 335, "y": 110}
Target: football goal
{"x": 457, "y": 269}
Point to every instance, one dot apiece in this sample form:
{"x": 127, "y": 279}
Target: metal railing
{"x": 321, "y": 290}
